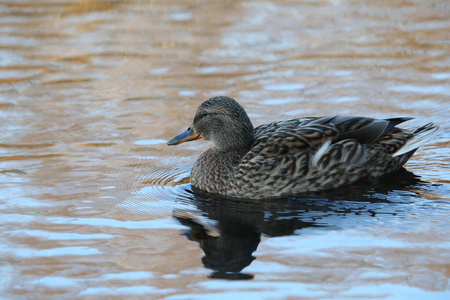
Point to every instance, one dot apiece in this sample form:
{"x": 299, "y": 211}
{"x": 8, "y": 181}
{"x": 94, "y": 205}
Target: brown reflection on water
{"x": 90, "y": 91}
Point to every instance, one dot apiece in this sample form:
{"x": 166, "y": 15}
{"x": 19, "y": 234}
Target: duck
{"x": 290, "y": 157}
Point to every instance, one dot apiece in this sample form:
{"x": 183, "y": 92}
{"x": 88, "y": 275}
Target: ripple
{"x": 279, "y": 101}
{"x": 285, "y": 87}
{"x": 128, "y": 290}
{"x": 59, "y": 235}
{"x": 150, "y": 142}
{"x": 31, "y": 157}
{"x": 61, "y": 251}
{"x": 147, "y": 185}
{"x": 165, "y": 223}
{"x": 128, "y": 276}
{"x": 56, "y": 282}
{"x": 430, "y": 89}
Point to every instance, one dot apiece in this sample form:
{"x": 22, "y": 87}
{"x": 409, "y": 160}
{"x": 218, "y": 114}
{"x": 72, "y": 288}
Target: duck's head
{"x": 221, "y": 120}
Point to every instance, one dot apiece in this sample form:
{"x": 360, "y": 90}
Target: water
{"x": 93, "y": 204}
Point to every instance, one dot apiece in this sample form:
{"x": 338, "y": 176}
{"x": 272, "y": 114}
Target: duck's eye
{"x": 205, "y": 113}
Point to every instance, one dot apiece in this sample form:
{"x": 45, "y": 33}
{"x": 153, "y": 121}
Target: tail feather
{"x": 420, "y": 137}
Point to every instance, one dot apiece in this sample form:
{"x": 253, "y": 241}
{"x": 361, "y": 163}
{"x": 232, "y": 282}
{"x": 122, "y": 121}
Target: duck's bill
{"x": 188, "y": 135}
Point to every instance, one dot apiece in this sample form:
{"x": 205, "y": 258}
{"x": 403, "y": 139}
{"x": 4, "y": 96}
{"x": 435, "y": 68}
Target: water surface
{"x": 93, "y": 204}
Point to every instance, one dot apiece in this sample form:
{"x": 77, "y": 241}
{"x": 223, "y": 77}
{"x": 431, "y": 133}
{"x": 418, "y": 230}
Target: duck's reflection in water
{"x": 238, "y": 224}
{"x": 227, "y": 250}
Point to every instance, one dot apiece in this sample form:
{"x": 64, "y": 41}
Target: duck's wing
{"x": 310, "y": 154}
{"x": 324, "y": 143}
{"x": 295, "y": 135}
{"x": 299, "y": 155}
{"x": 280, "y": 138}
{"x": 367, "y": 131}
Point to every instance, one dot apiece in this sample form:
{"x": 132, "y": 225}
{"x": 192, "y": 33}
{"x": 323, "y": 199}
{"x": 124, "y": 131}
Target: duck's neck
{"x": 236, "y": 143}
{"x": 234, "y": 136}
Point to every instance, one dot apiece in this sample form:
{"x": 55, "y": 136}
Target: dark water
{"x": 93, "y": 204}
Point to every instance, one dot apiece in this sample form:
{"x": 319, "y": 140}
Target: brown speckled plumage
{"x": 293, "y": 156}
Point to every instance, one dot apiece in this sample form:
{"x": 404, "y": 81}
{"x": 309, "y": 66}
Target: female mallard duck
{"x": 293, "y": 156}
